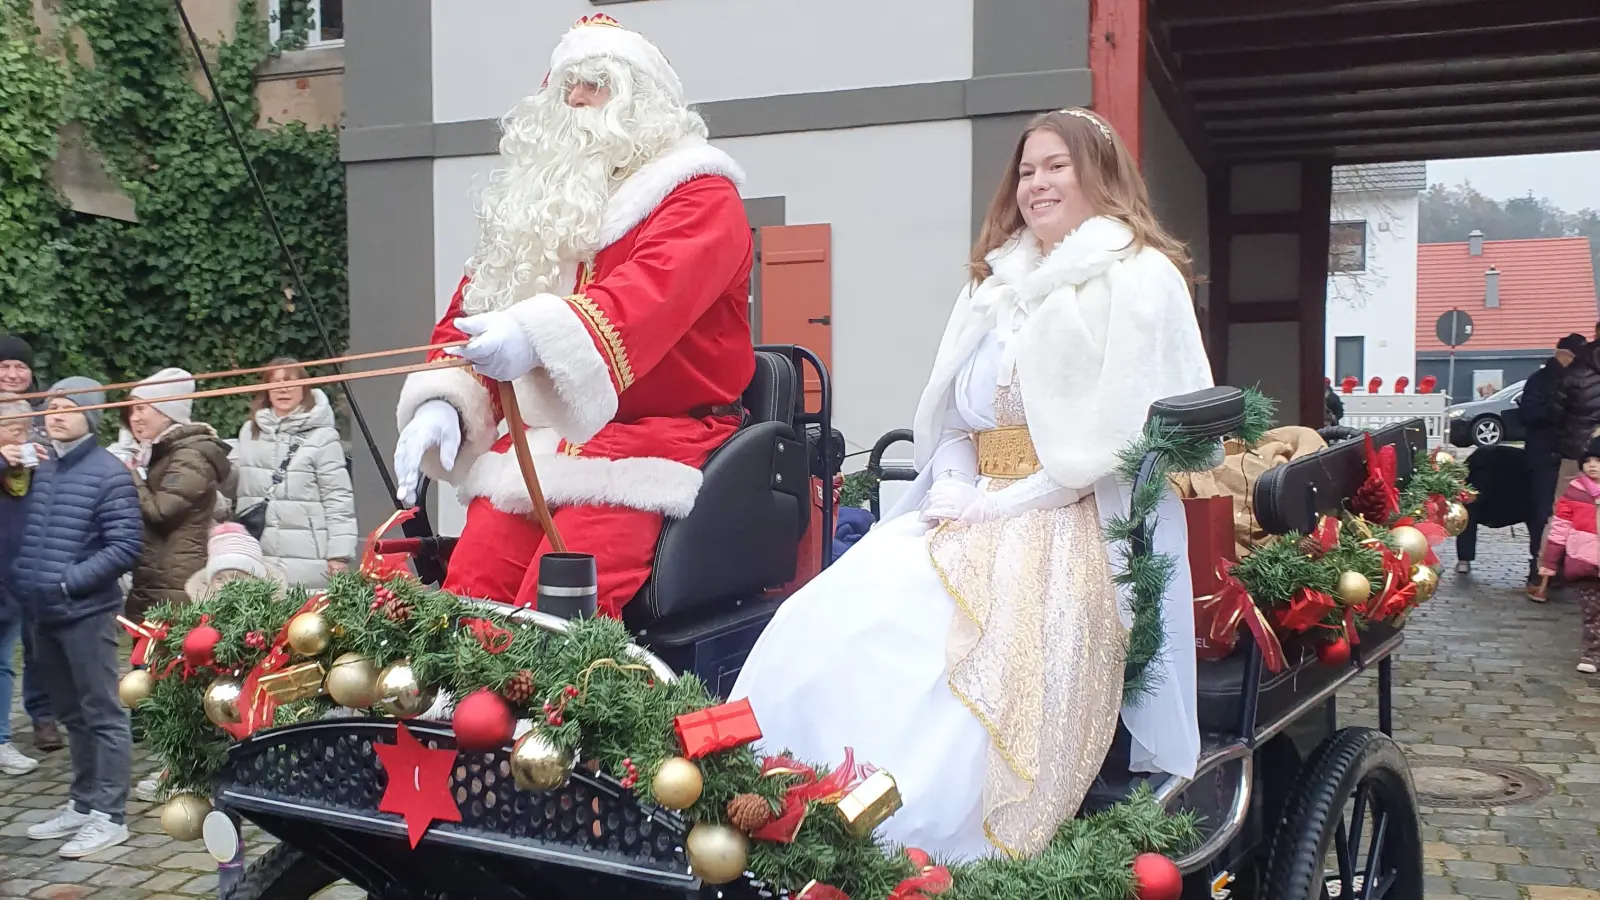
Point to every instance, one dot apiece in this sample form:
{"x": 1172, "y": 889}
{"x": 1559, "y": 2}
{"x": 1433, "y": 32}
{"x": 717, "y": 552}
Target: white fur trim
{"x": 462, "y": 390}
{"x": 643, "y": 191}
{"x": 651, "y": 484}
{"x": 587, "y": 41}
{"x": 573, "y": 383}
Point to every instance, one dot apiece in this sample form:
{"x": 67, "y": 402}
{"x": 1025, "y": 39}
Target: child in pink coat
{"x": 1573, "y": 544}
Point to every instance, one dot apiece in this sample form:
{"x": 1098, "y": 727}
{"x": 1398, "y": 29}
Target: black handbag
{"x": 254, "y": 519}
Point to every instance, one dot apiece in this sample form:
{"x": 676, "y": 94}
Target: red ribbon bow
{"x": 930, "y": 880}
{"x": 145, "y": 636}
{"x": 1397, "y": 593}
{"x": 1306, "y": 609}
{"x": 1382, "y": 470}
{"x": 386, "y": 566}
{"x": 256, "y": 706}
{"x": 809, "y": 789}
{"x": 1232, "y": 606}
{"x": 1327, "y": 533}
{"x": 491, "y": 637}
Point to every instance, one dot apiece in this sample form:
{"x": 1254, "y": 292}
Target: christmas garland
{"x": 580, "y": 690}
{"x": 1370, "y": 565}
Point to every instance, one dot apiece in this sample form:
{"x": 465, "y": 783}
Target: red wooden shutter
{"x": 797, "y": 292}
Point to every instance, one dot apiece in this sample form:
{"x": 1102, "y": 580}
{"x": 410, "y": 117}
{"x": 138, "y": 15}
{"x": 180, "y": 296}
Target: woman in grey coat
{"x": 289, "y": 456}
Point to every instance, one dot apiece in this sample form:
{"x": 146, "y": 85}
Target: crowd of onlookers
{"x": 164, "y": 512}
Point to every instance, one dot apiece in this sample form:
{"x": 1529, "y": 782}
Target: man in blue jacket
{"x": 81, "y": 532}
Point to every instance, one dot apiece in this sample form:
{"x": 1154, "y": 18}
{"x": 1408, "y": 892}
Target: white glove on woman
{"x": 500, "y": 348}
{"x": 950, "y": 498}
{"x": 434, "y": 425}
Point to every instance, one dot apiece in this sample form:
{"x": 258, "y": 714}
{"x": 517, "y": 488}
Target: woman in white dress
{"x": 973, "y": 643}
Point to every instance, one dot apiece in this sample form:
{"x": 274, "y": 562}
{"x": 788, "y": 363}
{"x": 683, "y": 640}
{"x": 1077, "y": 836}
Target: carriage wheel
{"x": 284, "y": 873}
{"x": 1350, "y": 828}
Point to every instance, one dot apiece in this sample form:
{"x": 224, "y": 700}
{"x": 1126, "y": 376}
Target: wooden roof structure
{"x": 1378, "y": 80}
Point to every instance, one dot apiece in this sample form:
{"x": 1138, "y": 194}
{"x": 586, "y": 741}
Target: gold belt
{"x": 1006, "y": 452}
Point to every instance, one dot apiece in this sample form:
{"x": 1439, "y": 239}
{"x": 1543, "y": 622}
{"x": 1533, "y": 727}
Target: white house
{"x": 1372, "y": 271}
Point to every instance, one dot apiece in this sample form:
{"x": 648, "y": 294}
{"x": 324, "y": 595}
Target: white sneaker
{"x": 1464, "y": 567}
{"x": 1586, "y": 667}
{"x": 96, "y": 834}
{"x": 149, "y": 789}
{"x": 14, "y": 762}
{"x": 66, "y": 822}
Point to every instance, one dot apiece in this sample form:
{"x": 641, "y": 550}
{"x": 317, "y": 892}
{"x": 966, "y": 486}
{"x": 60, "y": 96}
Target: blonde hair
{"x": 1108, "y": 175}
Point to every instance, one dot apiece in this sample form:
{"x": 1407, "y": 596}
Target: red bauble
{"x": 482, "y": 722}
{"x": 1156, "y": 878}
{"x": 1335, "y": 652}
{"x": 200, "y": 646}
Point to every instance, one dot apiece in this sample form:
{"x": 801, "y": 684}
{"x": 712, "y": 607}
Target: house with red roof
{"x": 1522, "y": 297}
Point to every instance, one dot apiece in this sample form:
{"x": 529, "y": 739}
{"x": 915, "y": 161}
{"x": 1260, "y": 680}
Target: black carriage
{"x": 1292, "y": 806}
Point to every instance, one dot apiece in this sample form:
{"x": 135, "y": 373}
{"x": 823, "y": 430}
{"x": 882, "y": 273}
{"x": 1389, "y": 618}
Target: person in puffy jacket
{"x": 179, "y": 482}
{"x": 1573, "y": 545}
{"x": 81, "y": 531}
{"x": 289, "y": 457}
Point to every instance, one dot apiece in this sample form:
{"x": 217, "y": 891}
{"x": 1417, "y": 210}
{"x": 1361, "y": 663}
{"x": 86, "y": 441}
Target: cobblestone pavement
{"x": 1484, "y": 677}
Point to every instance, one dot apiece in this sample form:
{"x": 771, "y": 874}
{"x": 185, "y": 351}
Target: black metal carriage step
{"x": 326, "y": 775}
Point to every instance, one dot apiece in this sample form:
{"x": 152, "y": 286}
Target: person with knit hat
{"x": 82, "y": 529}
{"x": 611, "y": 286}
{"x": 181, "y": 476}
{"x": 231, "y": 553}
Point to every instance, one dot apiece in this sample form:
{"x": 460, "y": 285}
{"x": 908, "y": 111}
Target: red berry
{"x": 572, "y": 691}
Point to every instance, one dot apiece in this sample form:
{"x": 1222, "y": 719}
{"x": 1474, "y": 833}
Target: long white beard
{"x": 547, "y": 207}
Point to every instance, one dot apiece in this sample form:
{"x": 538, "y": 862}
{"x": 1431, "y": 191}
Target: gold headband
{"x": 1083, "y": 115}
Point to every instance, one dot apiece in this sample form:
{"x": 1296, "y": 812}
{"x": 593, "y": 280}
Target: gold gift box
{"x": 870, "y": 804}
{"x": 298, "y": 682}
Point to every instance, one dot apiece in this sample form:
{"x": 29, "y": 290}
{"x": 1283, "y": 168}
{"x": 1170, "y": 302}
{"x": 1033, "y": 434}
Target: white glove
{"x": 950, "y": 498}
{"x": 499, "y": 349}
{"x": 434, "y": 425}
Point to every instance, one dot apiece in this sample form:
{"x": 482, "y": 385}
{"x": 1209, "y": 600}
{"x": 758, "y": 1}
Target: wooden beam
{"x": 1116, "y": 57}
{"x": 1403, "y": 151}
{"x": 1589, "y": 124}
{"x": 1502, "y": 43}
{"x": 1186, "y": 12}
{"x": 1509, "y": 112}
{"x": 1219, "y": 105}
{"x": 1219, "y": 215}
{"x": 1316, "y": 196}
{"x": 1335, "y": 26}
{"x": 1265, "y": 223}
{"x": 1175, "y": 101}
{"x": 1268, "y": 311}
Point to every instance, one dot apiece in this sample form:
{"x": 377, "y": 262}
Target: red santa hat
{"x": 601, "y": 35}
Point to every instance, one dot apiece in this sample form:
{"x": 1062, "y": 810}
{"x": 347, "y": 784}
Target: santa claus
{"x": 610, "y": 285}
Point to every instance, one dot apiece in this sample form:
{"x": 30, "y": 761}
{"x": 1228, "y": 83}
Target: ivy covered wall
{"x": 198, "y": 281}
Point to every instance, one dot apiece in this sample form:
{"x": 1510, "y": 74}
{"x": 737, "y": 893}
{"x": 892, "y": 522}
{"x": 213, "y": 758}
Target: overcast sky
{"x": 1570, "y": 180}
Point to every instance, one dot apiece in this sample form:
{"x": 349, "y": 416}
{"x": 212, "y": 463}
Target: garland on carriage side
{"x": 1150, "y": 574}
{"x": 581, "y": 692}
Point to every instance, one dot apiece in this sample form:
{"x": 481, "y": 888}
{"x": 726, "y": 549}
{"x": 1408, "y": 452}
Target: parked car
{"x": 1486, "y": 422}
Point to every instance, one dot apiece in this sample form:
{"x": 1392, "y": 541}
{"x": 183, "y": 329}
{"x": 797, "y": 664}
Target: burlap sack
{"x": 1241, "y": 467}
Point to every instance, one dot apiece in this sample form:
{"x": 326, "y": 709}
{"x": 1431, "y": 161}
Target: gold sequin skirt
{"x": 1035, "y": 652}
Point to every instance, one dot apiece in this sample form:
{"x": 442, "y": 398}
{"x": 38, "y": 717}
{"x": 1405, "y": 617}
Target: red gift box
{"x": 717, "y": 728}
{"x": 1210, "y": 521}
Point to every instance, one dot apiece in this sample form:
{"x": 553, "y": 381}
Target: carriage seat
{"x": 743, "y": 534}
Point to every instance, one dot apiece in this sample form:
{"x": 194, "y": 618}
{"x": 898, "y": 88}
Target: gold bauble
{"x": 135, "y": 687}
{"x": 537, "y": 764}
{"x": 718, "y": 854}
{"x": 1425, "y": 580}
{"x": 677, "y": 783}
{"x": 400, "y": 693}
{"x": 1354, "y": 587}
{"x": 183, "y": 817}
{"x": 353, "y": 681}
{"x": 1413, "y": 543}
{"x": 221, "y": 701}
{"x": 1455, "y": 518}
{"x": 309, "y": 633}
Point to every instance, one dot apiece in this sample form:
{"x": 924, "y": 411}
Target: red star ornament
{"x": 419, "y": 783}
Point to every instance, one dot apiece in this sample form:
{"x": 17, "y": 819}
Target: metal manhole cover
{"x": 1475, "y": 784}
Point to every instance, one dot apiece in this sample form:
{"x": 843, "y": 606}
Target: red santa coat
{"x": 639, "y": 364}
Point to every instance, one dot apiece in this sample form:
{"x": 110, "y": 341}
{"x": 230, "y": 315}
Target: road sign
{"x": 1454, "y": 328}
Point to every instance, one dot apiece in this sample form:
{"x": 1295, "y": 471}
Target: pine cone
{"x": 1311, "y": 547}
{"x": 519, "y": 689}
{"x": 749, "y": 813}
{"x": 395, "y": 608}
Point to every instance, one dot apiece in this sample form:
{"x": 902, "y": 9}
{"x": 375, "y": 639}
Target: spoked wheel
{"x": 1487, "y": 431}
{"x": 1350, "y": 829}
{"x": 284, "y": 873}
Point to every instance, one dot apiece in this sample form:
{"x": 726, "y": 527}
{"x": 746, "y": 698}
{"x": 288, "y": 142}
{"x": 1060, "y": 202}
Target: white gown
{"x": 858, "y": 658}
